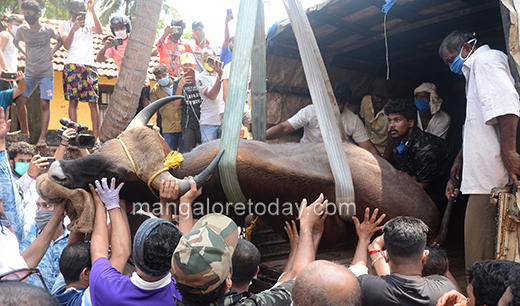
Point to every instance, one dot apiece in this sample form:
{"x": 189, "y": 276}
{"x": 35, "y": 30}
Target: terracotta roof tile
{"x": 107, "y": 68}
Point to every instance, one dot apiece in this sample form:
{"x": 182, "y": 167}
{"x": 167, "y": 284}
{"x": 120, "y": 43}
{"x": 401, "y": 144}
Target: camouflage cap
{"x": 202, "y": 260}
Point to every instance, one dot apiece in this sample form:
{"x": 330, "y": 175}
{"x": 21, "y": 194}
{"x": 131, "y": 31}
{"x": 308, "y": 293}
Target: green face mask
{"x": 20, "y": 168}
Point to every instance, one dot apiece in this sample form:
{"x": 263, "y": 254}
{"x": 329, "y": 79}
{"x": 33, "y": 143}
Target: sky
{"x": 213, "y": 14}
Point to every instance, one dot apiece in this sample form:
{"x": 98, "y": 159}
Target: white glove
{"x": 109, "y": 196}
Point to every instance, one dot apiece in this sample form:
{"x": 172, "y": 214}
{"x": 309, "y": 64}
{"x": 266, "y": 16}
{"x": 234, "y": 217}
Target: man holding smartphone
{"x": 80, "y": 77}
{"x": 7, "y": 96}
{"x": 121, "y": 28}
{"x": 209, "y": 83}
{"x": 171, "y": 47}
{"x": 191, "y": 105}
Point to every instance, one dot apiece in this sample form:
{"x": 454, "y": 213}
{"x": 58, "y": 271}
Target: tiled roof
{"x": 107, "y": 68}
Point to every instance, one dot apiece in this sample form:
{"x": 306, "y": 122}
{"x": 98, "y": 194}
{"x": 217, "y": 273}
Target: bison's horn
{"x": 203, "y": 177}
{"x": 144, "y": 116}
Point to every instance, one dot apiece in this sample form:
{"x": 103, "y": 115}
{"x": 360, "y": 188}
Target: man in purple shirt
{"x": 154, "y": 243}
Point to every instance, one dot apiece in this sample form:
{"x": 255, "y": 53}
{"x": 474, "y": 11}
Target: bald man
{"x": 325, "y": 283}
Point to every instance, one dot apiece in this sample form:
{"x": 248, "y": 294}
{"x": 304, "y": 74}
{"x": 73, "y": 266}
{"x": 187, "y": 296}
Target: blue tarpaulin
{"x": 388, "y": 5}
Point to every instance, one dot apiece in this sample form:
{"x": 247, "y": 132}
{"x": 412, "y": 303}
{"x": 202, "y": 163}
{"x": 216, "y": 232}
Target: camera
{"x": 82, "y": 140}
{"x": 116, "y": 42}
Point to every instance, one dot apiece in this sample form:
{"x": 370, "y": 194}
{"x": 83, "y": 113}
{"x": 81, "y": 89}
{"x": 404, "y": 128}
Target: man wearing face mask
{"x": 38, "y": 65}
{"x": 170, "y": 47}
{"x": 121, "y": 28}
{"x": 430, "y": 117}
{"x": 489, "y": 147}
{"x": 80, "y": 76}
{"x": 49, "y": 264}
{"x": 25, "y": 167}
{"x": 8, "y": 51}
{"x": 171, "y": 114}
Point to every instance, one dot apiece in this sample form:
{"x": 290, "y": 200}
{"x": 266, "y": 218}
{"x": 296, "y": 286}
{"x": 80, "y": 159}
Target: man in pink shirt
{"x": 115, "y": 46}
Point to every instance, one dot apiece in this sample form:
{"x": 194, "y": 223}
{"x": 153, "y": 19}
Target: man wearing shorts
{"x": 80, "y": 77}
{"x": 38, "y": 65}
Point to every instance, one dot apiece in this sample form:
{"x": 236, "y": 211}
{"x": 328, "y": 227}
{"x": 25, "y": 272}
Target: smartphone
{"x": 8, "y": 75}
{"x": 230, "y": 12}
{"x": 117, "y": 42}
{"x": 210, "y": 61}
{"x": 81, "y": 16}
{"x": 191, "y": 73}
{"x": 176, "y": 30}
{"x": 50, "y": 160}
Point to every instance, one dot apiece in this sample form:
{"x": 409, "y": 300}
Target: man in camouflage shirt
{"x": 201, "y": 262}
{"x": 425, "y": 157}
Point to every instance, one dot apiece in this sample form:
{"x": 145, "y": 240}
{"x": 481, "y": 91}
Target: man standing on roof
{"x": 200, "y": 43}
{"x": 170, "y": 47}
{"x": 8, "y": 51}
{"x": 489, "y": 148}
{"x": 38, "y": 64}
{"x": 80, "y": 77}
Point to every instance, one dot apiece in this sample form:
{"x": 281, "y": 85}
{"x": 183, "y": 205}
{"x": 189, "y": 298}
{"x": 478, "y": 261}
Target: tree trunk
{"x": 20, "y": 7}
{"x": 125, "y": 99}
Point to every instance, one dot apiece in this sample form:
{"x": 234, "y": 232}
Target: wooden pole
{"x": 258, "y": 78}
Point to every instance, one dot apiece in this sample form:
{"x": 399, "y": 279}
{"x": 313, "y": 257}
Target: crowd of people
{"x": 132, "y": 259}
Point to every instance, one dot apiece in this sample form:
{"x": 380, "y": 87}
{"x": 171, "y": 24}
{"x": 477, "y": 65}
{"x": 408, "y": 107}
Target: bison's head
{"x": 111, "y": 160}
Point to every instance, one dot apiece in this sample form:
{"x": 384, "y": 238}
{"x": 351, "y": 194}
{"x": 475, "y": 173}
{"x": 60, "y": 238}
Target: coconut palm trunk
{"x": 125, "y": 99}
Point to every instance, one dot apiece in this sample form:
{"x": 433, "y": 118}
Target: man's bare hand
{"x": 169, "y": 190}
{"x": 370, "y": 225}
{"x": 309, "y": 215}
{"x": 511, "y": 162}
{"x": 451, "y": 191}
{"x": 452, "y": 298}
{"x": 5, "y": 125}
{"x": 36, "y": 165}
{"x": 292, "y": 232}
{"x": 192, "y": 194}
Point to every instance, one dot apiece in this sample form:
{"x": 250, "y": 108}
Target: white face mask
{"x": 120, "y": 34}
{"x": 13, "y": 29}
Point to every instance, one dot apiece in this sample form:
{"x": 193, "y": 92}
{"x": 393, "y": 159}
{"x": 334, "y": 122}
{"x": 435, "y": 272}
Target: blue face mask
{"x": 21, "y": 168}
{"x": 164, "y": 81}
{"x": 458, "y": 62}
{"x": 456, "y": 65}
{"x": 402, "y": 148}
{"x": 422, "y": 105}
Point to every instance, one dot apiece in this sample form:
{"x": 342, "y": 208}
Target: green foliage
{"x": 188, "y": 33}
{"x": 55, "y": 9}
{"x": 110, "y": 7}
{"x": 9, "y": 6}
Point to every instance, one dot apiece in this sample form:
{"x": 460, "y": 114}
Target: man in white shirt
{"x": 307, "y": 119}
{"x": 489, "y": 148}
{"x": 209, "y": 83}
{"x": 80, "y": 77}
{"x": 430, "y": 117}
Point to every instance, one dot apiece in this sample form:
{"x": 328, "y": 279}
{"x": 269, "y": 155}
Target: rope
{"x": 135, "y": 168}
{"x": 249, "y": 229}
{"x": 386, "y": 48}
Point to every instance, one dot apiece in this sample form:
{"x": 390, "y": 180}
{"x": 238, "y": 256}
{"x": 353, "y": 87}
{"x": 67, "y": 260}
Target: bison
{"x": 267, "y": 173}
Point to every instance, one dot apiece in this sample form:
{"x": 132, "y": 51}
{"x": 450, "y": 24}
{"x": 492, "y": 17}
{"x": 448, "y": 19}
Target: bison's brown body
{"x": 292, "y": 171}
